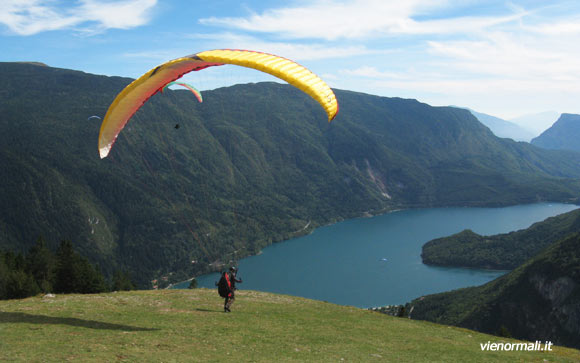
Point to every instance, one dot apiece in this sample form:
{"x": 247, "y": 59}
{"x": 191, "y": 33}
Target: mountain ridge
{"x": 562, "y": 135}
{"x": 249, "y": 166}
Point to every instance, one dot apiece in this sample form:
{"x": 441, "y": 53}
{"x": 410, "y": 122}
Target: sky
{"x": 502, "y": 58}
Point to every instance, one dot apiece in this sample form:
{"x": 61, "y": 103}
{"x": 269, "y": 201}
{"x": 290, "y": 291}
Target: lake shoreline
{"x": 336, "y": 263}
{"x": 299, "y": 233}
{"x": 369, "y": 215}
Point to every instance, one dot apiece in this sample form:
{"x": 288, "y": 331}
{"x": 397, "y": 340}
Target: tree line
{"x": 62, "y": 272}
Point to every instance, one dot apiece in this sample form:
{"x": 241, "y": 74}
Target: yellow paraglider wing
{"x": 139, "y": 91}
{"x": 283, "y": 68}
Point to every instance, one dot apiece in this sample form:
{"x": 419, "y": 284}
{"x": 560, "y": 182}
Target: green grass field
{"x": 190, "y": 325}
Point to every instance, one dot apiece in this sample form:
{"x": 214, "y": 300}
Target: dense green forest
{"x": 501, "y": 251}
{"x": 540, "y": 300}
{"x": 251, "y": 165}
{"x": 64, "y": 272}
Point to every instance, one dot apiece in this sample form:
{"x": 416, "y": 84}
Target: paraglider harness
{"x": 224, "y": 285}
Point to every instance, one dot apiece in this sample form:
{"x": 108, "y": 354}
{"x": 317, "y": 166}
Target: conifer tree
{"x": 122, "y": 281}
{"x": 20, "y": 285}
{"x": 67, "y": 269}
{"x": 74, "y": 273}
{"x": 41, "y": 263}
{"x": 3, "y": 276}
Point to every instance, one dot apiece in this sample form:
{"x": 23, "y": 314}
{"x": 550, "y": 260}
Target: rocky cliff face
{"x": 555, "y": 291}
{"x": 549, "y": 311}
{"x": 562, "y": 304}
{"x": 539, "y": 300}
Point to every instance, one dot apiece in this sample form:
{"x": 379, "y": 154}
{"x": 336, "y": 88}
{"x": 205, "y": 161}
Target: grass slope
{"x": 189, "y": 325}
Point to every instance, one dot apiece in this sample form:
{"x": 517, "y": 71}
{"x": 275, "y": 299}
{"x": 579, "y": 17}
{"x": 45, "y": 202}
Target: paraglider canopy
{"x": 139, "y": 91}
{"x": 186, "y": 85}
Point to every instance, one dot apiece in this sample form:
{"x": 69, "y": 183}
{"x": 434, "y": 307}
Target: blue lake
{"x": 377, "y": 261}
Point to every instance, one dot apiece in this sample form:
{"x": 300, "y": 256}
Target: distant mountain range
{"x": 563, "y": 135}
{"x": 538, "y": 122}
{"x": 523, "y": 128}
{"x": 503, "y": 128}
{"x": 251, "y": 165}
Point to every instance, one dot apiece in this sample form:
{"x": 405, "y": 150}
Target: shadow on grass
{"x": 11, "y": 317}
{"x": 209, "y": 311}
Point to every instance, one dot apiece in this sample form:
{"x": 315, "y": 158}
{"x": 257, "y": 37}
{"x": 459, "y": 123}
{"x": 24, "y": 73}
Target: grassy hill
{"x": 189, "y": 325}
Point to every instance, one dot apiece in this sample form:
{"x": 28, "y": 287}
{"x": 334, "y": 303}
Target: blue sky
{"x": 502, "y": 58}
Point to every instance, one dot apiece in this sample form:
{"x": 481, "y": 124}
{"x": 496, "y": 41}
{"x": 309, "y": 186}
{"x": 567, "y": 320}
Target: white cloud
{"x": 355, "y": 19}
{"x": 29, "y": 17}
{"x": 159, "y": 56}
{"x": 529, "y": 64}
{"x": 504, "y": 97}
{"x": 325, "y": 19}
{"x": 483, "y": 87}
{"x": 461, "y": 25}
{"x": 294, "y": 51}
{"x": 117, "y": 14}
{"x": 480, "y": 68}
{"x": 372, "y": 72}
{"x": 557, "y": 28}
{"x": 511, "y": 56}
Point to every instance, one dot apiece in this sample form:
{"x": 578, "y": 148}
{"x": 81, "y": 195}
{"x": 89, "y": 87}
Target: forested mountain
{"x": 503, "y": 251}
{"x": 564, "y": 134}
{"x": 189, "y": 186}
{"x": 540, "y": 300}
